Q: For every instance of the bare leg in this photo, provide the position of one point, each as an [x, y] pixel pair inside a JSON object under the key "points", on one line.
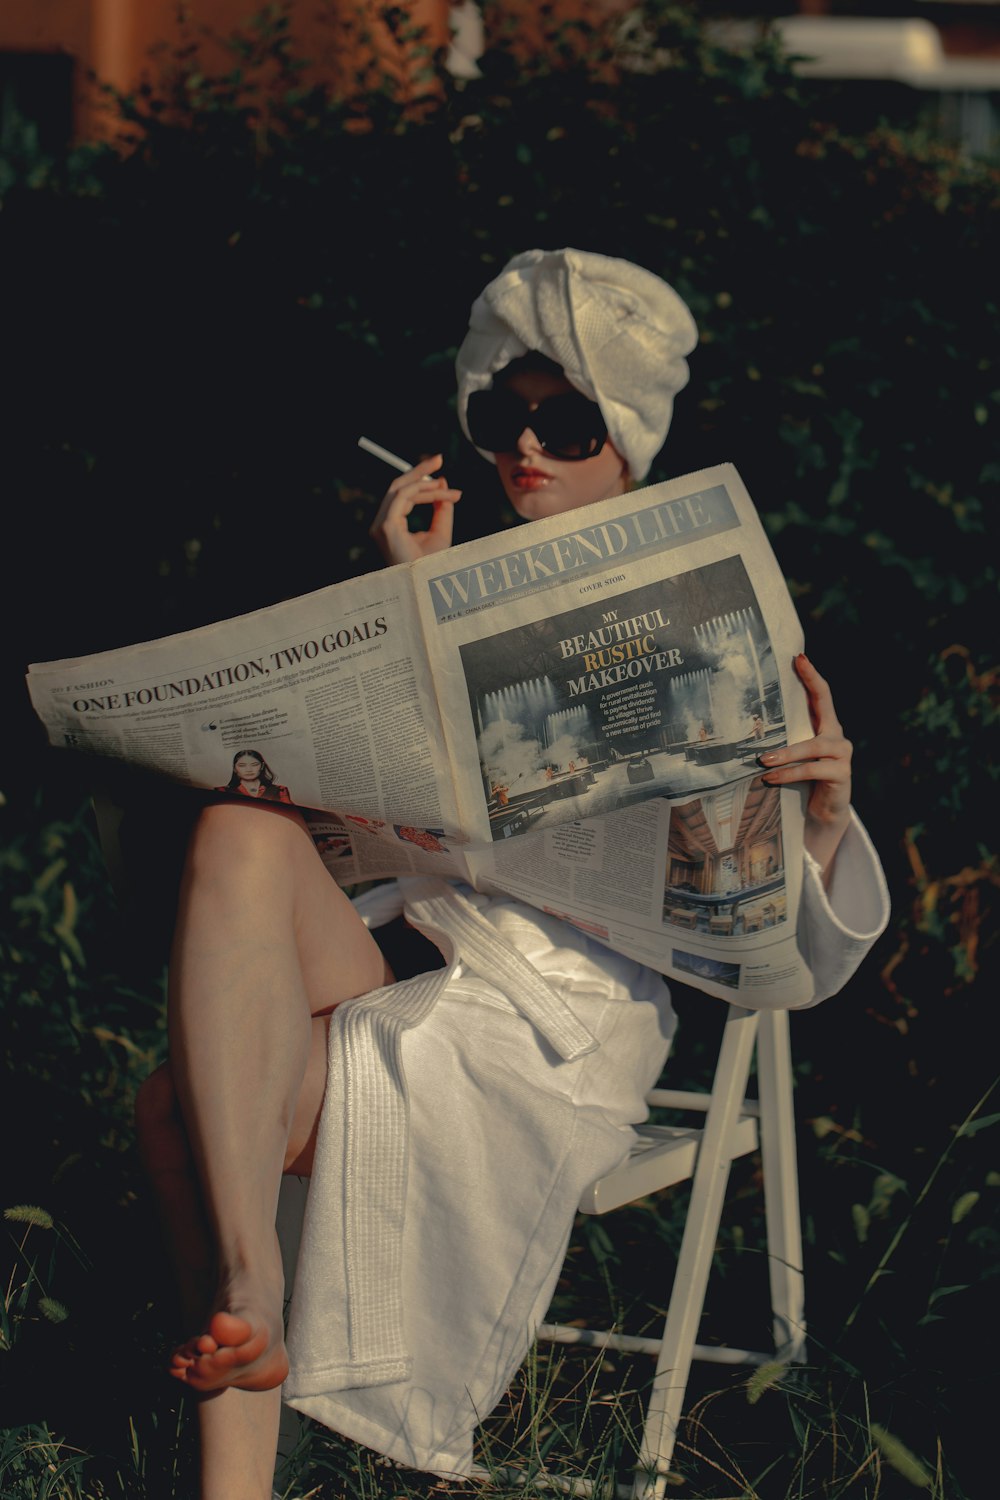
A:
{"points": [[238, 1429], [169, 1165], [264, 940]]}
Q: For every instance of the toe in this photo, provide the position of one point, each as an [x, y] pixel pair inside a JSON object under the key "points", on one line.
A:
{"points": [[228, 1330]]}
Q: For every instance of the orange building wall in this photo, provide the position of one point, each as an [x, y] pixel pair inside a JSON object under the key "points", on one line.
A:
{"points": [[114, 38], [45, 26]]}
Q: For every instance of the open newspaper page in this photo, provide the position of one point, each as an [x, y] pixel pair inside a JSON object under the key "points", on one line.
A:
{"points": [[332, 691], [570, 712], [607, 680]]}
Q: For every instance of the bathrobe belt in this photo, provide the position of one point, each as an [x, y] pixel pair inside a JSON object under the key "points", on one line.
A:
{"points": [[366, 1072], [438, 908]]}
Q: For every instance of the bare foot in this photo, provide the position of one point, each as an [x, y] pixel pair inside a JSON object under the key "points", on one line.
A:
{"points": [[233, 1351], [241, 1347]]}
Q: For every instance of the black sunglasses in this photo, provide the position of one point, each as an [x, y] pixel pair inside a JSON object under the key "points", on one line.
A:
{"points": [[569, 426]]}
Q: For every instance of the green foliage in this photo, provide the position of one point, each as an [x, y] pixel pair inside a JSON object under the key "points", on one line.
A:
{"points": [[200, 320], [765, 1378], [26, 1213], [899, 1457]]}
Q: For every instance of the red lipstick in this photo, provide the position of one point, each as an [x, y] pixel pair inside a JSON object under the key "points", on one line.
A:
{"points": [[529, 479]]}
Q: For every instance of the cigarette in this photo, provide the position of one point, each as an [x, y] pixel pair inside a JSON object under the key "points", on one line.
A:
{"points": [[392, 459]]}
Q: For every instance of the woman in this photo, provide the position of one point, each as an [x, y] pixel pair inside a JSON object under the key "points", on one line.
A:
{"points": [[253, 777], [423, 1273]]}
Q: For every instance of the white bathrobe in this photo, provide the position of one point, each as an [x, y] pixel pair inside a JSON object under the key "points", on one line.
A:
{"points": [[465, 1112]]}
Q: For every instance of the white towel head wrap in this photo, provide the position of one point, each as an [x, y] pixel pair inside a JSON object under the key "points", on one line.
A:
{"points": [[619, 333]]}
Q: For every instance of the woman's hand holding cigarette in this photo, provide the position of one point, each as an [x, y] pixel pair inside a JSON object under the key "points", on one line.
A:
{"points": [[389, 530]]}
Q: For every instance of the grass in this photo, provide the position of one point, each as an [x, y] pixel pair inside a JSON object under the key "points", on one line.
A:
{"points": [[901, 1244], [579, 1421]]}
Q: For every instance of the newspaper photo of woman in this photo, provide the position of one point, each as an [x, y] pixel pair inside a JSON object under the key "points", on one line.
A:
{"points": [[253, 777]]}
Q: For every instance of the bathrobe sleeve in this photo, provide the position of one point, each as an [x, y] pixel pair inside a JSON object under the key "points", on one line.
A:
{"points": [[839, 924]]}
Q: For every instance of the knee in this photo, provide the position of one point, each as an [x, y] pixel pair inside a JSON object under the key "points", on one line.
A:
{"points": [[229, 836]]}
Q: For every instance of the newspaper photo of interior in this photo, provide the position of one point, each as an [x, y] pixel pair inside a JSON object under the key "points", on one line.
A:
{"points": [[672, 690], [725, 862]]}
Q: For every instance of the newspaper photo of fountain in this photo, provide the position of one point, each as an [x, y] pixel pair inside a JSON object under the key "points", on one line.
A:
{"points": [[725, 872], [661, 691]]}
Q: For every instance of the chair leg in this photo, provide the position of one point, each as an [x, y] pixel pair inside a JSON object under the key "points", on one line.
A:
{"points": [[701, 1231], [781, 1185]]}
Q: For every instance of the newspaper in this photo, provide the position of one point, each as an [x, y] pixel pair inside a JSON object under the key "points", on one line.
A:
{"points": [[569, 712]]}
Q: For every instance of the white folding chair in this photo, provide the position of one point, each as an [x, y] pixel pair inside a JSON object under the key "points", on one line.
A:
{"points": [[665, 1155]]}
